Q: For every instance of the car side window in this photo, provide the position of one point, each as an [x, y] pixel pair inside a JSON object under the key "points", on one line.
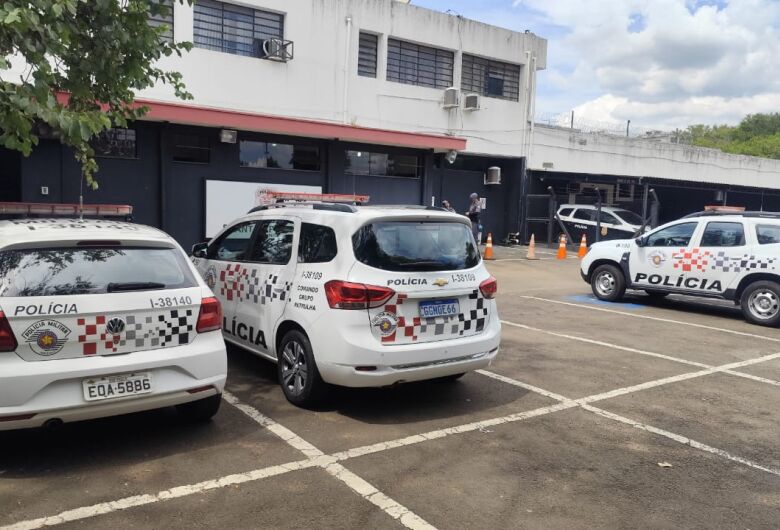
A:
{"points": [[673, 236], [609, 218], [233, 245], [719, 234], [566, 212], [584, 215], [274, 242], [768, 234], [317, 244]]}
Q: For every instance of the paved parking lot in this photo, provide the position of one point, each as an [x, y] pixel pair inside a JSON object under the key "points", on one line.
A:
{"points": [[594, 415]]}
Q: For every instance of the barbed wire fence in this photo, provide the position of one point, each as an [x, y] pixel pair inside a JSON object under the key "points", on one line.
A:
{"points": [[570, 120]]}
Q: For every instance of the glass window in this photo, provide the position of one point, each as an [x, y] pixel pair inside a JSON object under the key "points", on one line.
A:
{"points": [[629, 217], [414, 246], [414, 64], [72, 271], [383, 164], [233, 244], [317, 244], [280, 156], [161, 15], [192, 148], [768, 234], [566, 212], [723, 235], [490, 78], [608, 218], [673, 236], [367, 53], [274, 242], [115, 143], [585, 215], [234, 29]]}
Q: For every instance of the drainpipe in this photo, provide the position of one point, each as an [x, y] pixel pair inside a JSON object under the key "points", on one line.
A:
{"points": [[527, 127], [345, 102]]}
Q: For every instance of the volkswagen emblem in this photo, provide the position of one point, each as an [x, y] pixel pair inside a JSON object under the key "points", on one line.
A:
{"points": [[115, 326]]}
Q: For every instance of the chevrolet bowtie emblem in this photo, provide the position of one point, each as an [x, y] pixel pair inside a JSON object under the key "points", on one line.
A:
{"points": [[441, 282]]}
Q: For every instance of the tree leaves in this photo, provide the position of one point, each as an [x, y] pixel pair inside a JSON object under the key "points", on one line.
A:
{"points": [[756, 135]]}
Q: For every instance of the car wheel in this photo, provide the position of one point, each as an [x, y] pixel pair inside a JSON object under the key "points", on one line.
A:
{"points": [[608, 283], [298, 374], [761, 303], [201, 410], [657, 295]]}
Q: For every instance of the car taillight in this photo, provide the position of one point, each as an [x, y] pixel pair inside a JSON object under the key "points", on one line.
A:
{"points": [[7, 339], [347, 295], [210, 317], [489, 287]]}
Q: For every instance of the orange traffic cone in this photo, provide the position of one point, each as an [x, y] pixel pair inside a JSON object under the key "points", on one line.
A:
{"points": [[531, 249], [583, 247], [562, 247], [489, 247]]}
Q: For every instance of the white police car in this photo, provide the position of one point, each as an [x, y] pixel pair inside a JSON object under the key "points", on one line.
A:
{"points": [[352, 295], [100, 318], [711, 254], [615, 223]]}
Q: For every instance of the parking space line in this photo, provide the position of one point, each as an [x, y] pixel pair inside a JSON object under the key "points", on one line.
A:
{"points": [[648, 317]]}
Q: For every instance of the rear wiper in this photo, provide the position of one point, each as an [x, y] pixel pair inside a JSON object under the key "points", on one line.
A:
{"points": [[133, 286]]}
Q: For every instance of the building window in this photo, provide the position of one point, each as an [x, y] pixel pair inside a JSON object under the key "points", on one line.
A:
{"points": [[492, 79], [191, 148], [367, 54], [280, 156], [414, 64], [383, 164], [162, 15], [115, 143], [234, 29]]}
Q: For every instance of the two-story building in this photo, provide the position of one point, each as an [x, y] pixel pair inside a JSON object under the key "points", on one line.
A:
{"points": [[376, 97]]}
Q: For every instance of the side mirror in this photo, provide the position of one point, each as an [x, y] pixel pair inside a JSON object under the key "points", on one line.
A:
{"points": [[199, 249], [641, 241]]}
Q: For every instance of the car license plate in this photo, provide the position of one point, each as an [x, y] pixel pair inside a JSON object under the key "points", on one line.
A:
{"points": [[115, 386], [439, 308]]}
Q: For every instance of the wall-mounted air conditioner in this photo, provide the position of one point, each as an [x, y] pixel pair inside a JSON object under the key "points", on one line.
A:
{"points": [[274, 49], [493, 176], [450, 98], [471, 102]]}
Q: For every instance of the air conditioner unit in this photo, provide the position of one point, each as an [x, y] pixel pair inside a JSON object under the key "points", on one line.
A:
{"points": [[274, 49], [450, 98], [471, 102], [493, 176]]}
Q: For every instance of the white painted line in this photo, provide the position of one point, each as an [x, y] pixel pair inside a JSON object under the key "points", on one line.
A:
{"points": [[648, 317], [682, 439]]}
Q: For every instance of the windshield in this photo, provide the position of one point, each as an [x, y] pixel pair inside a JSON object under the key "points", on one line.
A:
{"points": [[69, 271], [416, 246], [629, 217]]}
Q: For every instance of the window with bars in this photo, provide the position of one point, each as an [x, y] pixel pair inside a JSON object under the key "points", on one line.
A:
{"points": [[235, 29], [115, 143], [414, 64], [493, 79], [367, 54], [162, 15]]}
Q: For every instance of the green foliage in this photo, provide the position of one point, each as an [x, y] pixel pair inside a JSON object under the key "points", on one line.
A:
{"points": [[756, 135], [99, 52]]}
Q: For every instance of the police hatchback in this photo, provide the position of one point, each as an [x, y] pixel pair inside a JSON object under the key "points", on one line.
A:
{"points": [[100, 318], [615, 223], [353, 295], [710, 254]]}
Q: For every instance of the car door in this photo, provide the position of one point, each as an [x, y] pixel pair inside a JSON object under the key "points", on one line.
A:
{"points": [[610, 227], [724, 246], [583, 221], [267, 277], [666, 258]]}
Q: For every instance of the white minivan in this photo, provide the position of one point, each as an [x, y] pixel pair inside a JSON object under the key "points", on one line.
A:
{"points": [[353, 295]]}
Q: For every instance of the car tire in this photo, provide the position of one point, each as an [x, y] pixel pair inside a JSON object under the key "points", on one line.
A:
{"points": [[657, 295], [760, 303], [202, 410], [298, 374], [608, 283]]}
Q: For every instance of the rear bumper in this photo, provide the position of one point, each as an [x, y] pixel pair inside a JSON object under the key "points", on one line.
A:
{"points": [[53, 389]]}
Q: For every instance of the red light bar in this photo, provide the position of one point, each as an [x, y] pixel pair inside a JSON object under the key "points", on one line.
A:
{"points": [[324, 197], [38, 208]]}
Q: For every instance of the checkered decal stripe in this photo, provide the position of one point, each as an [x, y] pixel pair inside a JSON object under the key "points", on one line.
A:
{"points": [[746, 262], [172, 327], [244, 284], [688, 260]]}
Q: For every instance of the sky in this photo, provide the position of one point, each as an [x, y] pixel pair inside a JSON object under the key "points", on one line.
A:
{"points": [[662, 64]]}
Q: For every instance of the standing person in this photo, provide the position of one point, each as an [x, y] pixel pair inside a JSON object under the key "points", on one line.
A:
{"points": [[475, 209], [447, 206]]}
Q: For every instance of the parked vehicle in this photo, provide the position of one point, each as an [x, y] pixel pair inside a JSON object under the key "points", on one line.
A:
{"points": [[616, 223], [734, 256], [353, 295], [100, 318]]}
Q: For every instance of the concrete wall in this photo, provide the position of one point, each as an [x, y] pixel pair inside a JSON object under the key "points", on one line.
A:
{"points": [[562, 150]]}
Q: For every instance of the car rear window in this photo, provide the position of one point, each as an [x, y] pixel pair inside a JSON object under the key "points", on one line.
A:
{"points": [[71, 271], [416, 246]]}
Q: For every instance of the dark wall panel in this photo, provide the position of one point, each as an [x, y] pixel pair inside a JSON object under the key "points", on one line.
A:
{"points": [[10, 175]]}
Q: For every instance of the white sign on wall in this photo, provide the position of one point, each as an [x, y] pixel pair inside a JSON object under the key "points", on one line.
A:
{"points": [[227, 200]]}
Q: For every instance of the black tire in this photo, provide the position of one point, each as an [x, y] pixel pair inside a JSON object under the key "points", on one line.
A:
{"points": [[298, 374], [657, 295], [201, 410], [761, 303], [608, 283]]}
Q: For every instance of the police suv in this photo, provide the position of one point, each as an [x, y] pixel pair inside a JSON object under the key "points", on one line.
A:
{"points": [[712, 254], [100, 318], [353, 295]]}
